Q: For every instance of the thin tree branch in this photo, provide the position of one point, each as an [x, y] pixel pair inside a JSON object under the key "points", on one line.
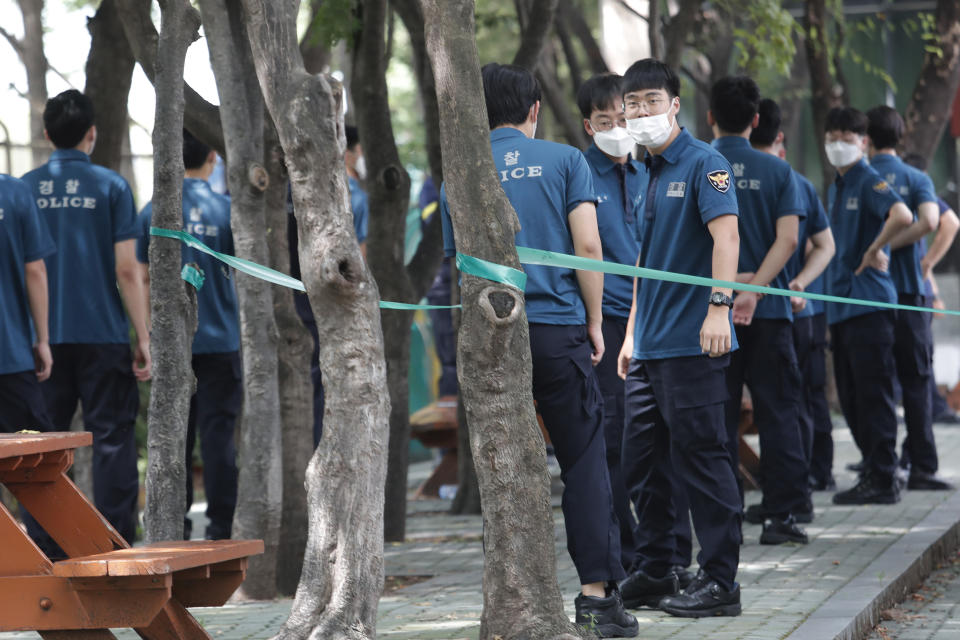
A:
{"points": [[536, 18], [14, 42]]}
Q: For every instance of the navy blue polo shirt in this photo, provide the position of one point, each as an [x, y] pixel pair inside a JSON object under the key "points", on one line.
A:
{"points": [[206, 216], [618, 203], [766, 192], [813, 223], [544, 182], [914, 187], [360, 205], [23, 238], [687, 186], [859, 202], [87, 209]]}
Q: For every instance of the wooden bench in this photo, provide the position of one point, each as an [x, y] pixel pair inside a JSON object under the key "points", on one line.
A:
{"points": [[104, 583]]}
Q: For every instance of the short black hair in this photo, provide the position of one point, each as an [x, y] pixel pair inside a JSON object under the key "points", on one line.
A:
{"points": [[884, 126], [602, 91], [353, 136], [734, 101], [194, 152], [765, 133], [67, 117], [509, 92], [916, 160], [650, 73], [846, 119]]}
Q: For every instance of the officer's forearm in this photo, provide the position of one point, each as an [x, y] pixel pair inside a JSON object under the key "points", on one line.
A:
{"points": [[726, 250], [817, 258], [35, 274], [784, 245], [949, 224], [898, 219], [135, 300], [591, 290]]}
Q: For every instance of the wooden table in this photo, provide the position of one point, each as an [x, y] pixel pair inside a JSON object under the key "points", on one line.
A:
{"points": [[104, 583]]}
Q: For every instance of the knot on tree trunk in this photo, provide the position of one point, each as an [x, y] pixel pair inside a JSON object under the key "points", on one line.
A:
{"points": [[258, 176], [500, 306], [391, 177]]}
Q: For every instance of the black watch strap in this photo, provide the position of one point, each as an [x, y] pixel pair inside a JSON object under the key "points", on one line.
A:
{"points": [[720, 299]]}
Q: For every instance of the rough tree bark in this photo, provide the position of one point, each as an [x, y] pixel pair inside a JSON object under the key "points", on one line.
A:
{"points": [[677, 30], [316, 56], [343, 566], [826, 92], [260, 482], [389, 191], [521, 595], [929, 108], [30, 51], [572, 15], [199, 116], [108, 72], [172, 302], [293, 368]]}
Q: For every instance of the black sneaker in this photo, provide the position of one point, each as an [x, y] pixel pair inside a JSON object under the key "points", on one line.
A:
{"points": [[684, 576], [829, 484], [856, 467], [755, 514], [605, 617], [927, 482], [640, 589], [777, 531], [869, 491], [709, 599]]}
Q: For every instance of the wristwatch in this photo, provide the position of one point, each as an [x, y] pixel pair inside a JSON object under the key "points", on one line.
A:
{"points": [[720, 299]]}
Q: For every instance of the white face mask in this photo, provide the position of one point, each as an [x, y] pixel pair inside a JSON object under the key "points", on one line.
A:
{"points": [[360, 166], [842, 154], [650, 131], [617, 142]]}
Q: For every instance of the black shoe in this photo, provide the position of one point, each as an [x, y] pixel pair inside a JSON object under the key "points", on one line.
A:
{"points": [[605, 617], [755, 514], [804, 516], [869, 491], [640, 589], [684, 576], [823, 485], [777, 531], [927, 482], [709, 599], [856, 467]]}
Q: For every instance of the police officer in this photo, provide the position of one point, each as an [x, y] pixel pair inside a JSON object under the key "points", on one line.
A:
{"points": [[913, 339], [550, 188], [767, 361], [814, 251], [215, 405], [865, 215], [675, 354], [357, 171], [25, 358], [90, 214]]}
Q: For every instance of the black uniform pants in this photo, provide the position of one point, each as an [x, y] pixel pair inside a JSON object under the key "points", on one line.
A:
{"points": [[815, 387], [767, 362], [913, 353], [675, 431], [214, 409], [864, 368], [101, 377], [569, 401]]}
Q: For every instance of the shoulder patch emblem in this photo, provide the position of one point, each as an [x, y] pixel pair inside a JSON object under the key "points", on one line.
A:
{"points": [[881, 187], [719, 180]]}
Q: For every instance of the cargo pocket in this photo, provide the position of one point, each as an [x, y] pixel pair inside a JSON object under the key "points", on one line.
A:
{"points": [[698, 398]]}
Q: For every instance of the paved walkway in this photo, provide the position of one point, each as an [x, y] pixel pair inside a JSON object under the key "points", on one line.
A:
{"points": [[782, 587]]}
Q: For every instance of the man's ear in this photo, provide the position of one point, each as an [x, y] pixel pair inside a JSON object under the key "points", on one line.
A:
{"points": [[779, 137], [212, 157], [711, 121], [588, 127], [755, 122], [534, 114]]}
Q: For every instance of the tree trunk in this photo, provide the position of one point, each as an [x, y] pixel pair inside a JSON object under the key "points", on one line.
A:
{"points": [[929, 108], [653, 29], [173, 302], [826, 93], [521, 595], [109, 72], [296, 390], [569, 121], [260, 482], [316, 56], [571, 13], [30, 50], [676, 31], [536, 19], [343, 566], [199, 116]]}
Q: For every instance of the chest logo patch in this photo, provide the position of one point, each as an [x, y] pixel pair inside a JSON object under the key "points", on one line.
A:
{"points": [[719, 180], [676, 189], [881, 187], [1, 214], [852, 203]]}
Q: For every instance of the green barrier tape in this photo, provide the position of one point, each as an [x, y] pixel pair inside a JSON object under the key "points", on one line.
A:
{"points": [[491, 271], [551, 259], [403, 306], [251, 268], [192, 275]]}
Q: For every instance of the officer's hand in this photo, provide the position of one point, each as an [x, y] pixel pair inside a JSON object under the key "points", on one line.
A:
{"points": [[595, 333], [926, 269], [43, 360], [141, 361], [797, 304], [938, 304], [715, 332], [875, 258], [626, 354], [743, 307]]}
